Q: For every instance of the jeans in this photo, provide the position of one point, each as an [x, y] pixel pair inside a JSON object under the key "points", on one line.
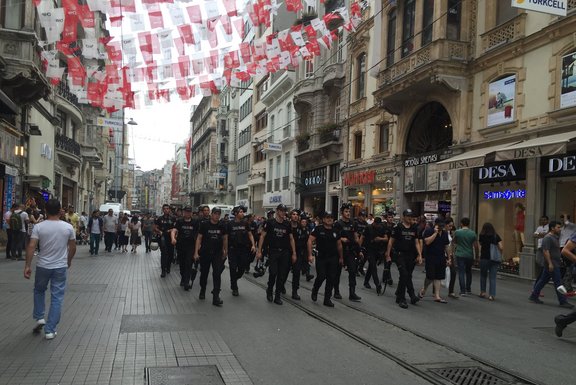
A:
{"points": [[57, 279], [465, 274], [147, 239], [544, 279], [488, 269], [94, 243]]}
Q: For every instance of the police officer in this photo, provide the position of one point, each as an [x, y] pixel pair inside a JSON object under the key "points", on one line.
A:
{"points": [[300, 234], [211, 250], [305, 224], [163, 228], [240, 246], [351, 248], [361, 224], [278, 234], [204, 213], [184, 238], [329, 247], [373, 238], [388, 225], [406, 246]]}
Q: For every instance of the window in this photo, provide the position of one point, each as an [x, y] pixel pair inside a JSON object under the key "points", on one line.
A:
{"points": [[287, 164], [391, 38], [62, 122], [409, 17], [288, 127], [453, 20], [427, 21], [261, 88], [504, 12], [259, 156], [361, 76], [244, 164], [245, 86], [340, 55], [261, 121], [246, 108], [383, 133], [272, 126], [245, 136], [334, 172], [358, 145], [13, 14], [270, 175], [278, 173], [308, 68]]}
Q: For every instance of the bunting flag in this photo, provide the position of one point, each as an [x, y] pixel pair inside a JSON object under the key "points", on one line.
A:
{"points": [[176, 48]]}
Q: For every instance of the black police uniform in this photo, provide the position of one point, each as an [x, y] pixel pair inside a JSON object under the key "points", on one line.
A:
{"points": [[361, 225], [239, 255], [405, 254], [211, 255], [386, 273], [374, 249], [185, 243], [165, 224], [327, 260], [347, 230], [279, 251], [254, 227], [300, 235]]}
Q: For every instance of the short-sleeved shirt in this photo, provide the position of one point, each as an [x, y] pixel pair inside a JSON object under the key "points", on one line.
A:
{"points": [[347, 230], [74, 220], [300, 235], [212, 237], [165, 223], [187, 231], [485, 242], [53, 237], [464, 240], [277, 234], [238, 237], [551, 243], [373, 231], [405, 238], [326, 241], [148, 225], [437, 249], [110, 223], [25, 218]]}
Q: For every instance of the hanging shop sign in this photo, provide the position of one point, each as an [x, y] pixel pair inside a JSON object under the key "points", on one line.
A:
{"points": [[554, 7], [559, 165], [427, 158], [500, 172]]}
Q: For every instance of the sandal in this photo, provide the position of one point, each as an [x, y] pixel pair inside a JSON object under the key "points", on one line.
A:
{"points": [[421, 293], [441, 300], [482, 295]]}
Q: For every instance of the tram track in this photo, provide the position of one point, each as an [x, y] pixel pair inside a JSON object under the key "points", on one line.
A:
{"points": [[490, 372]]}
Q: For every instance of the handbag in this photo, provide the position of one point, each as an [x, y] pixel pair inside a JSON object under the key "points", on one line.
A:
{"points": [[446, 281], [495, 254], [140, 232], [127, 232]]}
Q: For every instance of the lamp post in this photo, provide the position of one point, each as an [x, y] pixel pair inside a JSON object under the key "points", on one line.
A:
{"points": [[131, 122]]}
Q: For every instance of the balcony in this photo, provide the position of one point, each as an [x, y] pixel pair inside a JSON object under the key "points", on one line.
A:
{"points": [[333, 77], [304, 90], [322, 145], [68, 148], [508, 32], [358, 107], [64, 91]]}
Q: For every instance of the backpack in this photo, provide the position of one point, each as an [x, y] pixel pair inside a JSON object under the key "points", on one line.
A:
{"points": [[16, 221]]}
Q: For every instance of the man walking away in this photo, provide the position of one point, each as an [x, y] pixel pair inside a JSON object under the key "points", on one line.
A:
{"points": [[18, 223], [466, 243], [350, 243], [564, 320], [163, 228], [58, 242], [7, 216], [110, 226], [95, 229]]}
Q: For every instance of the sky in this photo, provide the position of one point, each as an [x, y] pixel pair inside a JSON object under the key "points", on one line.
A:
{"points": [[160, 127]]}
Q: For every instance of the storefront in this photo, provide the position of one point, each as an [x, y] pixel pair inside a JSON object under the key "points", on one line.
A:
{"points": [[273, 199], [312, 190], [502, 199], [559, 173], [370, 190]]}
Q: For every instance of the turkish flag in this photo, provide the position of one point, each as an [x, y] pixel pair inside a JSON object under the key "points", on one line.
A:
{"points": [[186, 33], [70, 31]]}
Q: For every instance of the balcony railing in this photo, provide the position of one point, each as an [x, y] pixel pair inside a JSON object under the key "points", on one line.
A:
{"points": [[506, 33], [64, 91], [67, 144]]}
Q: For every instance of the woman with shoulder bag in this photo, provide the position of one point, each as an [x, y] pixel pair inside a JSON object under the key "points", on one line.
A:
{"points": [[490, 258], [135, 227]]}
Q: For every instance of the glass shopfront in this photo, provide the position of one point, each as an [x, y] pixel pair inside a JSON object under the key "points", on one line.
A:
{"points": [[559, 172], [371, 190]]}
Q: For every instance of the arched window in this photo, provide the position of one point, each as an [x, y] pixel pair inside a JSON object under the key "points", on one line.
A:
{"points": [[431, 130]]}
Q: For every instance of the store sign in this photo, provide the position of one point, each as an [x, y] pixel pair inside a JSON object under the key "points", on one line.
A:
{"points": [[314, 178], [109, 122], [500, 172], [430, 206], [559, 165], [272, 147], [275, 199], [554, 7], [444, 207], [505, 194], [355, 178]]}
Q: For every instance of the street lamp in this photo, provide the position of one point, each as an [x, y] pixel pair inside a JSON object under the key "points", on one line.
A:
{"points": [[131, 122]]}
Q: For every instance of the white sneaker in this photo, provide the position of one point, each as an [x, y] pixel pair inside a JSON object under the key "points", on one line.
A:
{"points": [[50, 336], [39, 325], [561, 289]]}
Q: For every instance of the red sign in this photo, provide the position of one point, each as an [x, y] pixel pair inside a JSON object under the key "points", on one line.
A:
{"points": [[359, 178]]}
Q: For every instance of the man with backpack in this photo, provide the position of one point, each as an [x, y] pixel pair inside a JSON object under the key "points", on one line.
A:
{"points": [[18, 223]]}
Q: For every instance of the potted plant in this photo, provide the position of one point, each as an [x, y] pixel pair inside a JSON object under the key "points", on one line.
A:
{"points": [[328, 132]]}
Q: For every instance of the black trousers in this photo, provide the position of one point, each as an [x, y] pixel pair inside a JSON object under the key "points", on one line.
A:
{"points": [[238, 262], [109, 238], [298, 268], [166, 253], [17, 245], [217, 263], [372, 268], [405, 263], [147, 239], [351, 265], [278, 268], [326, 269], [567, 319], [8, 243], [186, 262]]}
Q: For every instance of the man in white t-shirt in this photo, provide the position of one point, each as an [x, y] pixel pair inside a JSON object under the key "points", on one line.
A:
{"points": [[58, 246], [7, 215], [110, 228]]}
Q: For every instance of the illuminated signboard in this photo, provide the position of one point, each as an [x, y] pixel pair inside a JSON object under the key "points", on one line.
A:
{"points": [[505, 194]]}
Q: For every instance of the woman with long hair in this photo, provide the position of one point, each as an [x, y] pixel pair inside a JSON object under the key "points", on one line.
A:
{"points": [[488, 267], [122, 237], [135, 233]]}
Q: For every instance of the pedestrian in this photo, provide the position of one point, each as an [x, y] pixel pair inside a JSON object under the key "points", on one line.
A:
{"points": [[489, 266], [373, 240], [304, 224], [551, 267], [568, 229], [163, 228], [405, 247], [465, 248], [148, 231], [241, 245], [276, 232], [74, 220], [451, 259], [18, 223], [123, 233], [58, 242], [211, 251], [562, 321], [388, 227], [183, 236], [300, 235], [95, 228], [360, 225], [110, 227], [135, 227], [539, 234], [436, 244], [351, 251], [31, 222], [9, 233], [330, 255]]}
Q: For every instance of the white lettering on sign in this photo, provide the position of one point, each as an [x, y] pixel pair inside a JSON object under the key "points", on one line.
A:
{"points": [[501, 171], [568, 163]]}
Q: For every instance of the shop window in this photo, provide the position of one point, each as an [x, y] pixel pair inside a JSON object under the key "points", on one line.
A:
{"points": [[408, 21], [358, 145], [361, 76], [383, 132], [391, 38], [427, 21], [504, 12], [453, 20]]}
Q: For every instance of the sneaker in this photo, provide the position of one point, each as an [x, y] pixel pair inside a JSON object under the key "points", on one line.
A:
{"points": [[566, 305], [39, 325], [50, 336], [337, 295], [536, 300], [562, 290]]}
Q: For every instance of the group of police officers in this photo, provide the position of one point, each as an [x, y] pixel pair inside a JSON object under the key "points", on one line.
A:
{"points": [[285, 243]]}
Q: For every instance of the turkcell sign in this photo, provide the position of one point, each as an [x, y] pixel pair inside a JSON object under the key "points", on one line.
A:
{"points": [[554, 7], [109, 122]]}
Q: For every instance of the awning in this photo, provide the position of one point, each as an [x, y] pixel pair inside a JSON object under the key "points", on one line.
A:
{"points": [[537, 147], [469, 159]]}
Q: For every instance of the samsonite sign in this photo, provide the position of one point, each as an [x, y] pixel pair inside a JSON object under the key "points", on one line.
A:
{"points": [[559, 165], [554, 7]]}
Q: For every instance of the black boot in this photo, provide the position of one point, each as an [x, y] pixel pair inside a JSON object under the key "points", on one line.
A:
{"points": [[353, 296], [216, 301], [327, 302], [314, 294], [295, 295], [163, 273], [337, 294], [277, 299], [202, 293], [309, 277], [269, 295]]}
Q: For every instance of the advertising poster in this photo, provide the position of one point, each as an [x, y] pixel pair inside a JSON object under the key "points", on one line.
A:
{"points": [[432, 179], [501, 94], [568, 81], [445, 180], [409, 179], [420, 178]]}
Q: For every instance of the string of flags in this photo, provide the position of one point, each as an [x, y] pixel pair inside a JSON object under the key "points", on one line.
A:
{"points": [[176, 48]]}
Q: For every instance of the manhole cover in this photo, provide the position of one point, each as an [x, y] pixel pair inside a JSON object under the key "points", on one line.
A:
{"points": [[468, 376], [184, 375]]}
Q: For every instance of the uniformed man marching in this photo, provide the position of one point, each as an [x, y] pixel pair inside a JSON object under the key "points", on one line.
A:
{"points": [[351, 248], [300, 234], [281, 246], [184, 238], [240, 246], [406, 247], [373, 239], [329, 247], [163, 228], [211, 250]]}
